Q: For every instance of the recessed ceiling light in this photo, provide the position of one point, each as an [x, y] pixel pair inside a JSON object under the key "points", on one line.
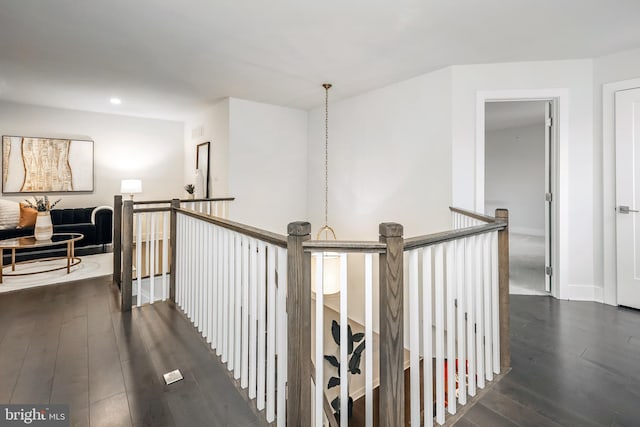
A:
{"points": [[115, 101]]}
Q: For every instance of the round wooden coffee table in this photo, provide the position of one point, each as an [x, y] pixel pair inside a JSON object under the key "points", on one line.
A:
{"points": [[30, 242]]}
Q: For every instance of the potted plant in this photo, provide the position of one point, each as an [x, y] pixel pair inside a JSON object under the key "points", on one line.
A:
{"points": [[190, 188], [354, 358], [44, 228]]}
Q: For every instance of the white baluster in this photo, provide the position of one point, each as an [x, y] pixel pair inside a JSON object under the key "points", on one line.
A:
{"points": [[439, 309], [486, 291], [414, 337], [244, 373], [451, 329], [238, 304], [253, 324], [271, 332], [319, 391], [344, 339], [152, 262], [478, 294], [261, 325], [166, 218], [225, 296], [282, 338], [231, 346], [368, 338], [427, 339], [220, 290], [139, 259], [471, 320], [460, 293]]}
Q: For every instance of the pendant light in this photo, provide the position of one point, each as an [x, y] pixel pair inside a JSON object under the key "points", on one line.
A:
{"points": [[330, 260]]}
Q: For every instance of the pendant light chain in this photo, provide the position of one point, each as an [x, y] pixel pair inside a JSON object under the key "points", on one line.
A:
{"points": [[326, 154], [326, 229]]}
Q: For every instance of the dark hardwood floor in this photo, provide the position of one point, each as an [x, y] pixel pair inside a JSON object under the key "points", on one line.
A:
{"points": [[574, 364], [70, 344]]}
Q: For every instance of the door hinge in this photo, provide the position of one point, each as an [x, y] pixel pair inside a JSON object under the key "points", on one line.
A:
{"points": [[548, 122], [548, 271], [548, 197]]}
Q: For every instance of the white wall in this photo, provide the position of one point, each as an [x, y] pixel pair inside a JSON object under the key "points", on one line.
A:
{"points": [[389, 159], [211, 125], [575, 274], [124, 147], [615, 72], [514, 175], [267, 164]]}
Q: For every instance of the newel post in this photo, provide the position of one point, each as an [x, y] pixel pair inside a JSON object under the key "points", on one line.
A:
{"points": [[127, 256], [391, 326], [502, 215], [117, 239], [173, 235], [298, 326]]}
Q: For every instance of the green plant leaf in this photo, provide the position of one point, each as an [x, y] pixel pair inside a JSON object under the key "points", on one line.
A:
{"points": [[335, 331], [359, 349], [333, 381], [350, 336], [354, 364], [333, 360], [358, 337], [335, 404]]}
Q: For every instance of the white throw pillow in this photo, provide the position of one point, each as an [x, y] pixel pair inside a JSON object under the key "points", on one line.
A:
{"points": [[9, 214]]}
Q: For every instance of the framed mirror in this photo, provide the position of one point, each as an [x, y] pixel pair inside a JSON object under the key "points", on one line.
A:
{"points": [[202, 163]]}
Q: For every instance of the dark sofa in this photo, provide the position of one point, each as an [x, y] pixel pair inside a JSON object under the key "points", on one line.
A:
{"points": [[96, 224]]}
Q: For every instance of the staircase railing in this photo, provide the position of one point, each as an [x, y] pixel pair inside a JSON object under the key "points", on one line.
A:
{"points": [[142, 245], [258, 300], [456, 320]]}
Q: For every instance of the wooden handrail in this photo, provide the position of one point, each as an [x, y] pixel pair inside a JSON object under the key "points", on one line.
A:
{"points": [[168, 202], [344, 246], [474, 215], [150, 210], [445, 236], [267, 236]]}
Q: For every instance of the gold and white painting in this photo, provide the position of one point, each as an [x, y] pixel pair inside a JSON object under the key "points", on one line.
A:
{"points": [[46, 165]]}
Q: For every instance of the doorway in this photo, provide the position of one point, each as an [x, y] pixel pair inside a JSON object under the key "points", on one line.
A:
{"points": [[519, 164]]}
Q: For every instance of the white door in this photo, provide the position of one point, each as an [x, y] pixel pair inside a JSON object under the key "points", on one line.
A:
{"points": [[548, 188], [628, 196]]}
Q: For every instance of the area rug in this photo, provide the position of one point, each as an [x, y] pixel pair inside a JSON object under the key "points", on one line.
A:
{"points": [[91, 266]]}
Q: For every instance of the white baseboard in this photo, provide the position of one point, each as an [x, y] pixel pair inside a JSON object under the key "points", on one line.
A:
{"points": [[585, 293], [527, 231]]}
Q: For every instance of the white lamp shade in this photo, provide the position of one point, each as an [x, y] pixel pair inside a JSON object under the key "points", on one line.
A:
{"points": [[131, 186], [330, 269]]}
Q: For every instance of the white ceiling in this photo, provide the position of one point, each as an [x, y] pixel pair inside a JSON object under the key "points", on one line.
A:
{"points": [[513, 114], [166, 58]]}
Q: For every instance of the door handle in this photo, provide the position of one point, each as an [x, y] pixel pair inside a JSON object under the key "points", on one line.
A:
{"points": [[625, 209]]}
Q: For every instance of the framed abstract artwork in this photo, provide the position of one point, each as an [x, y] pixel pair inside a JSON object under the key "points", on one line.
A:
{"points": [[46, 165], [202, 164]]}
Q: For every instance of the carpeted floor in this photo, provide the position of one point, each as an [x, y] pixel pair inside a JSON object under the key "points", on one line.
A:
{"points": [[91, 266], [526, 265]]}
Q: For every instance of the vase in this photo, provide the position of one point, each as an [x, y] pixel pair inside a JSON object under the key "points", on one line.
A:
{"points": [[44, 227]]}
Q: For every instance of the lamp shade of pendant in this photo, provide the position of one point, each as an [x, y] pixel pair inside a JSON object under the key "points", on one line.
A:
{"points": [[330, 272]]}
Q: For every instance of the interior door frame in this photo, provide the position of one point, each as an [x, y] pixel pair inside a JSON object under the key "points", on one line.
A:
{"points": [[559, 170], [609, 251]]}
